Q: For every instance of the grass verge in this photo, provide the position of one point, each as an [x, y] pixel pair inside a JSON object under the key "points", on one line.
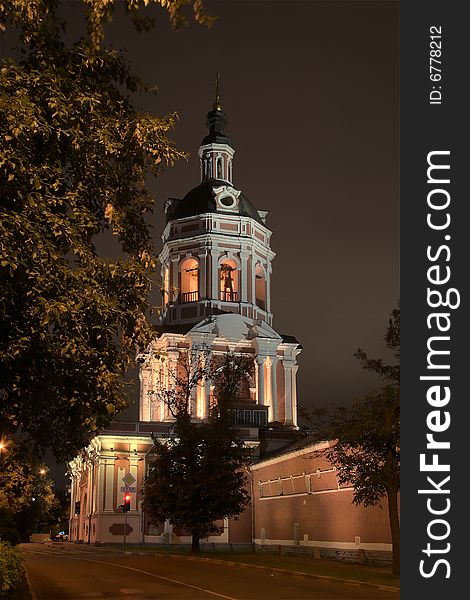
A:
{"points": [[378, 575]]}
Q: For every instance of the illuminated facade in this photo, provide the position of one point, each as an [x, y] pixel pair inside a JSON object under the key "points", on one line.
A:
{"points": [[216, 266], [216, 273]]}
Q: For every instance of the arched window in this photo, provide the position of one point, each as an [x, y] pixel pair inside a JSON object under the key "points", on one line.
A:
{"points": [[166, 286], [260, 287], [220, 168], [228, 280], [230, 170], [189, 274]]}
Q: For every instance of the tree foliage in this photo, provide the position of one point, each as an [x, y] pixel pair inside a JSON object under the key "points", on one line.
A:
{"points": [[367, 449], [197, 476], [389, 373], [27, 499], [74, 155], [367, 452], [11, 569]]}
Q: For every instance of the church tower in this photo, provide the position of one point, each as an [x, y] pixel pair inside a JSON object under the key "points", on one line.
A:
{"points": [[216, 266], [216, 255]]}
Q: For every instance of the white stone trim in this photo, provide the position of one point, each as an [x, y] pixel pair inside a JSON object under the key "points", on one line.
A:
{"points": [[293, 454], [323, 544], [317, 493]]}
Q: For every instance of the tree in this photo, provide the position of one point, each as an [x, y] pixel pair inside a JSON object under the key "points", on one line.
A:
{"points": [[75, 153], [197, 476], [367, 455], [367, 450], [26, 496], [392, 341]]}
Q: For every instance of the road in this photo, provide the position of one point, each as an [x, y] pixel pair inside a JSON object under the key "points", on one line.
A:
{"points": [[73, 572]]}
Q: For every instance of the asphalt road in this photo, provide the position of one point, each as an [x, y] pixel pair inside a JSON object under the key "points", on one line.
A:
{"points": [[72, 572]]}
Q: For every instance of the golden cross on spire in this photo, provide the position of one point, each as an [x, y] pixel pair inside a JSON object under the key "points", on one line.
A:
{"points": [[217, 104]]}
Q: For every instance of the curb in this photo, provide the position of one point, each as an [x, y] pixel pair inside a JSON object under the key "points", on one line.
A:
{"points": [[355, 582], [31, 591]]}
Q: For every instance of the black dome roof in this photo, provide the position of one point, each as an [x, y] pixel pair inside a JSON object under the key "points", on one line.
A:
{"points": [[201, 200]]}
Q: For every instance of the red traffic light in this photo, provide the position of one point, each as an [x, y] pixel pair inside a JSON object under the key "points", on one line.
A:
{"points": [[127, 502]]}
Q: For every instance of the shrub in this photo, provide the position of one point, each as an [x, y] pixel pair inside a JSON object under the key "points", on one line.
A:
{"points": [[11, 568]]}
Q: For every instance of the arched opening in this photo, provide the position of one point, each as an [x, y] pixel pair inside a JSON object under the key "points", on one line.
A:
{"points": [[260, 287], [166, 286], [228, 280], [189, 274], [220, 168]]}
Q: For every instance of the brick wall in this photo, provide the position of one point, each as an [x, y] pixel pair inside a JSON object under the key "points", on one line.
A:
{"points": [[298, 500]]}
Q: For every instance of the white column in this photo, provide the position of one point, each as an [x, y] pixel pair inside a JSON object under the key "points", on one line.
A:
{"points": [[253, 281], [260, 362], [244, 276], [207, 397], [109, 493], [288, 379], [274, 406], [215, 274], [100, 478], [268, 287], [73, 495], [174, 278], [95, 483], [294, 394], [154, 399], [171, 373], [193, 401], [202, 274], [89, 493], [121, 471], [144, 409], [133, 462]]}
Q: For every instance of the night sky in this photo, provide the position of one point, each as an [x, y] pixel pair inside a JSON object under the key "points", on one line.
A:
{"points": [[311, 93]]}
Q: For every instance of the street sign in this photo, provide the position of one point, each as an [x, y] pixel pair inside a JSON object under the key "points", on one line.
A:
{"points": [[128, 489], [128, 479]]}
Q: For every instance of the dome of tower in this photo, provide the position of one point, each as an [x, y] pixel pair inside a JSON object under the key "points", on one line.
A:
{"points": [[202, 199]]}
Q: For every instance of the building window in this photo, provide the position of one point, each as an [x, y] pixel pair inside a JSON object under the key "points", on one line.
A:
{"points": [[230, 170], [260, 418], [189, 273], [260, 287], [248, 417], [228, 281]]}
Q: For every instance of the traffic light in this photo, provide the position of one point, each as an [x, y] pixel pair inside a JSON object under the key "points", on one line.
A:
{"points": [[127, 502]]}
